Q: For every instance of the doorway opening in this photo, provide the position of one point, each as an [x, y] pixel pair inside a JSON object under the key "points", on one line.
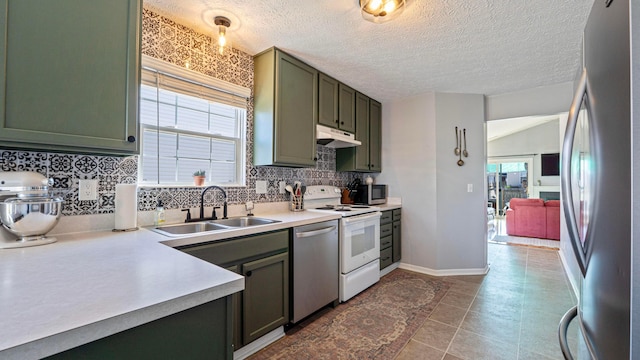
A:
{"points": [[507, 178]]}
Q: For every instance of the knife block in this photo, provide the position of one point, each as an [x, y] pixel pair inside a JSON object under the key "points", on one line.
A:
{"points": [[346, 198]]}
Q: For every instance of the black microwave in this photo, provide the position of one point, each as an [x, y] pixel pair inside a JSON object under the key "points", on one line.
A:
{"points": [[373, 194]]}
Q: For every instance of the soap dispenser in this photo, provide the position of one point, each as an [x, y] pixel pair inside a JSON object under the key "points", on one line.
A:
{"points": [[158, 218]]}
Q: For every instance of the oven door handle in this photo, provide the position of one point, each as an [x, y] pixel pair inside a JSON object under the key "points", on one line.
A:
{"points": [[315, 232], [364, 217]]}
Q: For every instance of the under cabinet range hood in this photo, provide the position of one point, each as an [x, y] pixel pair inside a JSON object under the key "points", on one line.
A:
{"points": [[335, 138]]}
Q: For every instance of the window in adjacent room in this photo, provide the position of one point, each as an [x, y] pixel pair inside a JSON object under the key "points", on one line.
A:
{"points": [[190, 122]]}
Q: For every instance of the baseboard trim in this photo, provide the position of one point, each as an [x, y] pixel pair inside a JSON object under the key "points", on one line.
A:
{"points": [[389, 269], [572, 282], [446, 272], [258, 344]]}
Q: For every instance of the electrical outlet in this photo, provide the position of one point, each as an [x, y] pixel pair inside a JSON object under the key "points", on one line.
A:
{"points": [[281, 186], [88, 190], [261, 187], [469, 187]]}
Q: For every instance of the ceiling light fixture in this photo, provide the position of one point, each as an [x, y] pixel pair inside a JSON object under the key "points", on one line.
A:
{"points": [[223, 23], [379, 11]]}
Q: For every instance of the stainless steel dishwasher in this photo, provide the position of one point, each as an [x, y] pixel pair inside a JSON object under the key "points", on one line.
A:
{"points": [[316, 271]]}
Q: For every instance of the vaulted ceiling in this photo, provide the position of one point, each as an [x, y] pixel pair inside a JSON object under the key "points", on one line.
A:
{"points": [[464, 46]]}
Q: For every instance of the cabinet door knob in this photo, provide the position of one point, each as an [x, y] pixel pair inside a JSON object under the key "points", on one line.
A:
{"points": [[341, 122], [249, 273], [337, 121], [131, 138]]}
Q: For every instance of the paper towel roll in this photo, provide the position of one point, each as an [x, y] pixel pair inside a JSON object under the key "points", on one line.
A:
{"points": [[126, 206]]}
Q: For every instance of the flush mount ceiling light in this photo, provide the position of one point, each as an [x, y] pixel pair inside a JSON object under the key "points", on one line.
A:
{"points": [[223, 44], [379, 11]]}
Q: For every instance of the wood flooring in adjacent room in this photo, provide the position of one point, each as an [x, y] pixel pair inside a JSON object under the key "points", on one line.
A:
{"points": [[511, 313], [497, 233]]}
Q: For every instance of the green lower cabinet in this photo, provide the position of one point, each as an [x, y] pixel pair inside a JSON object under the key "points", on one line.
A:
{"points": [[236, 313], [390, 238], [397, 235], [202, 332], [397, 243], [263, 260], [386, 256], [265, 303]]}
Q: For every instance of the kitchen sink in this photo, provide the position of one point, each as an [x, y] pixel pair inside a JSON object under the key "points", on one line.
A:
{"points": [[181, 229], [212, 225], [243, 221]]}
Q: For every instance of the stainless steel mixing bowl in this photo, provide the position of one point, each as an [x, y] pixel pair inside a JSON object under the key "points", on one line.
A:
{"points": [[30, 218]]}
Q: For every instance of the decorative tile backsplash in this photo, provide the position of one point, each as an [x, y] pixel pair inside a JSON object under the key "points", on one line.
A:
{"points": [[167, 40]]}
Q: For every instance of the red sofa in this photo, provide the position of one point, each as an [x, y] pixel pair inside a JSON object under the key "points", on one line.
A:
{"points": [[534, 218]]}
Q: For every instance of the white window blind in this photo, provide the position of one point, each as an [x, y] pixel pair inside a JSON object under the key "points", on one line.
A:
{"points": [[189, 125]]}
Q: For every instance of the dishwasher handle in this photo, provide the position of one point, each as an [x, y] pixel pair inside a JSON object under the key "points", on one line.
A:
{"points": [[315, 232]]}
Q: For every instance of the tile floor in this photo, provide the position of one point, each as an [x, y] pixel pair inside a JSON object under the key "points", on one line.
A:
{"points": [[511, 313]]}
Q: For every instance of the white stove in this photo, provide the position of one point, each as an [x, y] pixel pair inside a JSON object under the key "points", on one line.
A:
{"points": [[326, 198], [359, 234]]}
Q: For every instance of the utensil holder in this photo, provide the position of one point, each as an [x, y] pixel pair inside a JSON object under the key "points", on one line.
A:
{"points": [[296, 203]]}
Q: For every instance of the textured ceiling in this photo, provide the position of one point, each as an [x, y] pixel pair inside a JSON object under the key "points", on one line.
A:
{"points": [[465, 46]]}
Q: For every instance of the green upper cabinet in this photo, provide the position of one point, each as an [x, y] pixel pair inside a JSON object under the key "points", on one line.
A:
{"points": [[327, 101], [346, 108], [70, 74], [375, 136], [336, 104], [285, 110], [366, 157]]}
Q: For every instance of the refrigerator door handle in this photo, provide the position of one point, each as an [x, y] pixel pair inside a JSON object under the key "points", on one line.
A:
{"points": [[562, 332], [565, 178], [563, 327]]}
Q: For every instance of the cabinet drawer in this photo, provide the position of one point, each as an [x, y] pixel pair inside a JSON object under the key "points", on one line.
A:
{"points": [[386, 230], [385, 258], [234, 250], [385, 242], [397, 214], [386, 217]]}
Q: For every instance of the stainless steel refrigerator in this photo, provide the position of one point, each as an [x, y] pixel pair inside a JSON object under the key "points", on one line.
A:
{"points": [[597, 187]]}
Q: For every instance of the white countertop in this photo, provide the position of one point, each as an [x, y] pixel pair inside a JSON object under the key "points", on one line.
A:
{"points": [[389, 206], [90, 285]]}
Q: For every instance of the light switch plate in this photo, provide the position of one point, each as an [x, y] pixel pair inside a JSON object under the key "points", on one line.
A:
{"points": [[88, 190], [469, 187], [281, 186], [261, 187]]}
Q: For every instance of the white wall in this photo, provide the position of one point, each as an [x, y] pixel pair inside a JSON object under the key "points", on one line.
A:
{"points": [[420, 167], [409, 168], [544, 100], [462, 215], [537, 140]]}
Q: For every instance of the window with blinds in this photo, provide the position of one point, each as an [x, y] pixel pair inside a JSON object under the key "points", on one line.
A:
{"points": [[190, 125]]}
